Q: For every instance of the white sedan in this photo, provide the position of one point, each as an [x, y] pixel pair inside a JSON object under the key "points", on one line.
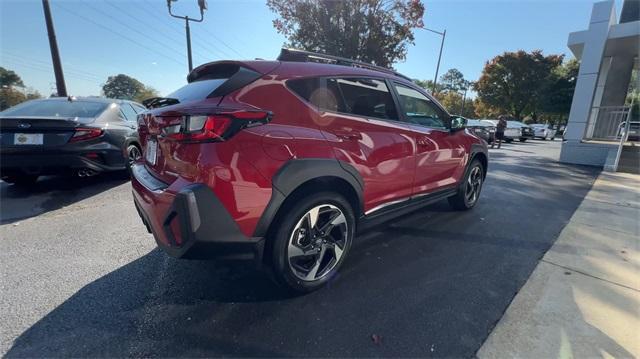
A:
{"points": [[543, 131]]}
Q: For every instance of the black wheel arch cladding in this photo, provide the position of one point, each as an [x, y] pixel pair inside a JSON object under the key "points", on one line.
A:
{"points": [[297, 172], [480, 152]]}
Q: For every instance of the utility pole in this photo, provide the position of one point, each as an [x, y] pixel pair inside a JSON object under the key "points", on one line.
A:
{"points": [[61, 87], [202, 4], [443, 34]]}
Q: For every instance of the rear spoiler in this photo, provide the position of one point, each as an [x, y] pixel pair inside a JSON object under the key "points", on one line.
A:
{"points": [[218, 69], [237, 74]]}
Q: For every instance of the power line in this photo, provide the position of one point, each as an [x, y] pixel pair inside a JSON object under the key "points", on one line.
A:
{"points": [[45, 63], [48, 70], [175, 37], [222, 42], [119, 34], [128, 27], [216, 50]]}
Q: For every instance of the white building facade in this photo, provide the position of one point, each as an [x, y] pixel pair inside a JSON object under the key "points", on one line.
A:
{"points": [[608, 53]]}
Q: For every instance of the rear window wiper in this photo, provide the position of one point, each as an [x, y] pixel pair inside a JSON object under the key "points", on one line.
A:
{"points": [[156, 102]]}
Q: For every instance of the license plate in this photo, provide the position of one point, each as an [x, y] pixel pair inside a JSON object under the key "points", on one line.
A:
{"points": [[27, 138], [151, 151]]}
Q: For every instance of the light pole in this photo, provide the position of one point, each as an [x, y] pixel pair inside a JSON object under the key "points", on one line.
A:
{"points": [[443, 34], [202, 4]]}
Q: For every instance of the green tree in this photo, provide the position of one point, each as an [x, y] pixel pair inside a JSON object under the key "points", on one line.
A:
{"points": [[425, 84], [554, 103], [146, 93], [453, 80], [9, 78], [127, 88], [515, 82], [13, 91], [633, 95], [374, 31]]}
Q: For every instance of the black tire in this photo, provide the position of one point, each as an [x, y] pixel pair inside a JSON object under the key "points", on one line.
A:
{"points": [[21, 180], [462, 201], [286, 271], [523, 139], [508, 140], [134, 153]]}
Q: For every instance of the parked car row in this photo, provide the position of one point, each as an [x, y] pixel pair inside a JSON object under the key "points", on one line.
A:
{"points": [[515, 130], [483, 129]]}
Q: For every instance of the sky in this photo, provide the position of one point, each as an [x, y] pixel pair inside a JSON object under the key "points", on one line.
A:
{"points": [[99, 38]]}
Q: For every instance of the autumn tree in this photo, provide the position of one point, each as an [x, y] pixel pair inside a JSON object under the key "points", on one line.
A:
{"points": [[514, 82], [374, 31], [483, 110], [127, 88], [452, 102]]}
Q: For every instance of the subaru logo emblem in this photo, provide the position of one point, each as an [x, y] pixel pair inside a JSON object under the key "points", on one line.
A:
{"points": [[24, 125]]}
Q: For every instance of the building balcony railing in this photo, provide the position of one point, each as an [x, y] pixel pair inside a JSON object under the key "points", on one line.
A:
{"points": [[606, 123]]}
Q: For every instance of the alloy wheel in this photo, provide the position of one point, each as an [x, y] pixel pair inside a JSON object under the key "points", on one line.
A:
{"points": [[473, 186], [134, 154], [317, 242]]}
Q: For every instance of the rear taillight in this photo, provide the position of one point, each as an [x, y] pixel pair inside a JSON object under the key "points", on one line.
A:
{"points": [[83, 134], [216, 127]]}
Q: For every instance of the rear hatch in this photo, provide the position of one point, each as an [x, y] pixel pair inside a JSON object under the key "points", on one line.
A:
{"points": [[179, 127]]}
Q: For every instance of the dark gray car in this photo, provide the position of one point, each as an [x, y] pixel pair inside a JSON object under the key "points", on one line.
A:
{"points": [[80, 136]]}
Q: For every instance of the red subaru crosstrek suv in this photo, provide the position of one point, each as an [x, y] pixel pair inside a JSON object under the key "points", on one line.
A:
{"points": [[281, 161]]}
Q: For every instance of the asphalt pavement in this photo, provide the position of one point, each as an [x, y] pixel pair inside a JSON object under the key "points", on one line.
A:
{"points": [[81, 277]]}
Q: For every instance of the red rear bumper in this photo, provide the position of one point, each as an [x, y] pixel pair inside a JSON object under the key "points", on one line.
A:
{"points": [[190, 221]]}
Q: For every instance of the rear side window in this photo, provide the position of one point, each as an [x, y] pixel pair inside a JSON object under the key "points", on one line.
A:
{"points": [[137, 108], [57, 108], [357, 96], [128, 112]]}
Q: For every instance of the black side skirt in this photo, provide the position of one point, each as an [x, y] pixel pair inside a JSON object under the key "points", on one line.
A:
{"points": [[383, 215]]}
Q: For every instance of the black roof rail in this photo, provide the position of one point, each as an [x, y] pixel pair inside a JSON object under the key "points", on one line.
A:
{"points": [[295, 55]]}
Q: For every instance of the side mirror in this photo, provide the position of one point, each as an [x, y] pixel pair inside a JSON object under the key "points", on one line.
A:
{"points": [[458, 123]]}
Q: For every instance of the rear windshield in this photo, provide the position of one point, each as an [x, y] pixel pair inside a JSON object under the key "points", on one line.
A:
{"points": [[57, 108], [198, 90]]}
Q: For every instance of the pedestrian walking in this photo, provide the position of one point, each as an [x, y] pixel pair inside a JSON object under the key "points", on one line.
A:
{"points": [[500, 127]]}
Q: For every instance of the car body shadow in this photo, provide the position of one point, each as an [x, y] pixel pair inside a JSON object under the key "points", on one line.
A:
{"points": [[52, 192]]}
